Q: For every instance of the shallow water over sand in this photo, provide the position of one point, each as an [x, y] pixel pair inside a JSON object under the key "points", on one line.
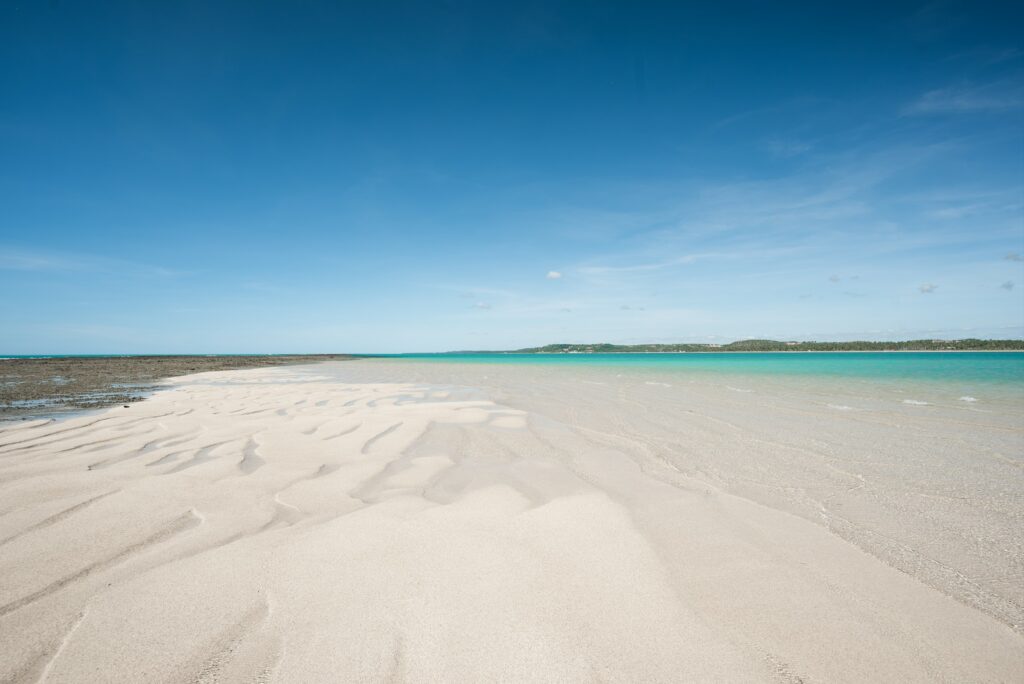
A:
{"points": [[906, 469]]}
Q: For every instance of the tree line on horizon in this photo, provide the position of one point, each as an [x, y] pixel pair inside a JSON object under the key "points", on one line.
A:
{"points": [[968, 344]]}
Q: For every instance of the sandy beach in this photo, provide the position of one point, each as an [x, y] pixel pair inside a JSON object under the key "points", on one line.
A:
{"points": [[397, 521]]}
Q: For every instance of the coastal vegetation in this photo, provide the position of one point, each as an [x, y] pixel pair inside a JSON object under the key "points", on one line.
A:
{"points": [[969, 344]]}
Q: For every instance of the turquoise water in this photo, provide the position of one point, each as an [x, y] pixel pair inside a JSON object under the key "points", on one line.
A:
{"points": [[967, 367]]}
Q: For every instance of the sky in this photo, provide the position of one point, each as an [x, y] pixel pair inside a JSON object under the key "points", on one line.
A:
{"points": [[256, 177]]}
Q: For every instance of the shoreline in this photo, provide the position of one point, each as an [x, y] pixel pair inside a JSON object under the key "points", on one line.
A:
{"points": [[108, 381]]}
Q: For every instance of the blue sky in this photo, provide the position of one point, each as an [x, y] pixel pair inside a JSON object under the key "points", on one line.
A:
{"points": [[277, 177]]}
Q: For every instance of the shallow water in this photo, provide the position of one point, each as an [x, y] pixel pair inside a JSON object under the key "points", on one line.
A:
{"points": [[916, 458], [965, 367]]}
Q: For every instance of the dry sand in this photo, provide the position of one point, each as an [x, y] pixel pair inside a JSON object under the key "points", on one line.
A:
{"points": [[336, 523]]}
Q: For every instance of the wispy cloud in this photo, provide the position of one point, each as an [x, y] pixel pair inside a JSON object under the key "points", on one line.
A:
{"points": [[986, 55], [786, 107], [956, 203], [1014, 256], [18, 260], [474, 292], [636, 268], [953, 213], [554, 275], [778, 219], [787, 148], [964, 99], [747, 242], [1008, 285], [262, 287], [13, 259]]}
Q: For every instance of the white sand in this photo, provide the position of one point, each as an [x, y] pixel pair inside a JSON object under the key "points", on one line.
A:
{"points": [[309, 524]]}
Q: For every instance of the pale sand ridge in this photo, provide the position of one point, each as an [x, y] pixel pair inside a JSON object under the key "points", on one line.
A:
{"points": [[331, 523]]}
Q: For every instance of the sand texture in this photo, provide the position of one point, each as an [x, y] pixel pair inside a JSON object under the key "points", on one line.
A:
{"points": [[381, 521], [31, 386]]}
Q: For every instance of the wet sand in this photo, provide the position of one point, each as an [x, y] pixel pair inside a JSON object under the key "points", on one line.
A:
{"points": [[386, 520]]}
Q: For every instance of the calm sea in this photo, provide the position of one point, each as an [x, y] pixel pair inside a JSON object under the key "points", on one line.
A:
{"points": [[955, 367]]}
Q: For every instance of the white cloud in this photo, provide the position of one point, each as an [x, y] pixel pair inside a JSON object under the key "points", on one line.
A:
{"points": [[554, 275], [927, 288], [481, 305]]}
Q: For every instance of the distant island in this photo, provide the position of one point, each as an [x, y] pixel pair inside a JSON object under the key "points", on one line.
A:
{"points": [[970, 344]]}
